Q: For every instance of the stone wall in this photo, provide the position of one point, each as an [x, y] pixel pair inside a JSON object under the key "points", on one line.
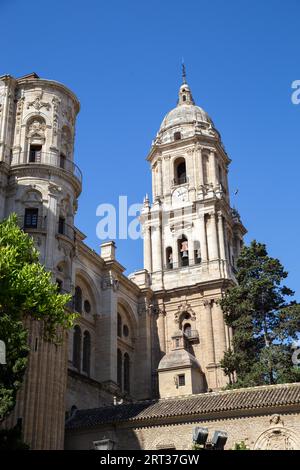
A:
{"points": [[266, 430]]}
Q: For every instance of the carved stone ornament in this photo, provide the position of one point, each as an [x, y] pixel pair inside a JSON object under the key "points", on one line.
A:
{"points": [[277, 437], [38, 103], [109, 282], [19, 113], [55, 104], [36, 129], [54, 188], [184, 307]]}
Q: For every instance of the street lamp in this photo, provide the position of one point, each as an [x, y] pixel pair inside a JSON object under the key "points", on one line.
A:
{"points": [[218, 441], [200, 435]]}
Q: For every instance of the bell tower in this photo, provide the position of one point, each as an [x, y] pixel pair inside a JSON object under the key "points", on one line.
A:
{"points": [[40, 182], [192, 237]]}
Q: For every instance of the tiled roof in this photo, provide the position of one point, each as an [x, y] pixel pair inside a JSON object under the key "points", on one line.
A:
{"points": [[201, 404]]}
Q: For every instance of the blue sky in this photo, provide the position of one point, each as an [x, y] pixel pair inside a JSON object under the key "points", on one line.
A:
{"points": [[122, 59]]}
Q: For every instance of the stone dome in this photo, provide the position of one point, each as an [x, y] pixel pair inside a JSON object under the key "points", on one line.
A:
{"points": [[186, 120], [178, 358], [185, 114]]}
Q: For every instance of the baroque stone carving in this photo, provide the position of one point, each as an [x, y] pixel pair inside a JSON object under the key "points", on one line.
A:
{"points": [[37, 129], [38, 104], [19, 113], [277, 437], [55, 103], [184, 307]]}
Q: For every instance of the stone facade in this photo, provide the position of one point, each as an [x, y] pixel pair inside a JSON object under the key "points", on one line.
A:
{"points": [[123, 347], [256, 431], [264, 418], [40, 181]]}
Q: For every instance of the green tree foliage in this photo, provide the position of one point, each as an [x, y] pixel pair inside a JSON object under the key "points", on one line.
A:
{"points": [[12, 439], [26, 291], [264, 321], [240, 446]]}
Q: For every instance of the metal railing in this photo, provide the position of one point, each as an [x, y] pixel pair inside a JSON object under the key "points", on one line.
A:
{"points": [[66, 230], [192, 335], [46, 158], [182, 264], [36, 223], [181, 180]]}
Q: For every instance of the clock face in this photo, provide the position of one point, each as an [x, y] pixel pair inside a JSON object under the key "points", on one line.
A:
{"points": [[180, 195]]}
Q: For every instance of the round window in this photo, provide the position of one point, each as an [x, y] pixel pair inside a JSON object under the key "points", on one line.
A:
{"points": [[87, 306], [125, 330]]}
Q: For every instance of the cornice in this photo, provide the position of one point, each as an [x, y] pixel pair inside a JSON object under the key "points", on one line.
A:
{"points": [[36, 171]]}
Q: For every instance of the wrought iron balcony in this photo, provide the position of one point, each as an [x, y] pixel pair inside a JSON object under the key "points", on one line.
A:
{"points": [[49, 159], [180, 180], [192, 335], [66, 230]]}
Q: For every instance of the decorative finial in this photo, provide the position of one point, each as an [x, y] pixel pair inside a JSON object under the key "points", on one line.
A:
{"points": [[183, 71]]}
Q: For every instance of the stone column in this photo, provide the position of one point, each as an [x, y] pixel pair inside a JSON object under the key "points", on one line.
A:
{"points": [[203, 239], [147, 249], [213, 169], [221, 236], [159, 178], [175, 252], [227, 254], [156, 245], [153, 182], [213, 238], [6, 108], [161, 327], [52, 225], [209, 333], [191, 252], [199, 166], [106, 328], [219, 331], [166, 175]]}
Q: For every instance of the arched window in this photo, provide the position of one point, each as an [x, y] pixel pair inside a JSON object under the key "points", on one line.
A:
{"points": [[62, 160], [86, 356], [35, 133], [183, 251], [180, 171], [77, 347], [184, 318], [119, 326], [78, 299], [169, 257], [119, 368], [126, 373], [125, 331], [177, 135]]}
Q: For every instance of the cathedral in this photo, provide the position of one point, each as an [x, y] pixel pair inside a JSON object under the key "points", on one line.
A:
{"points": [[141, 367]]}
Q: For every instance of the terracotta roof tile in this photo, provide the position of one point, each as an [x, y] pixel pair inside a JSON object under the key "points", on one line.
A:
{"points": [[201, 404]]}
